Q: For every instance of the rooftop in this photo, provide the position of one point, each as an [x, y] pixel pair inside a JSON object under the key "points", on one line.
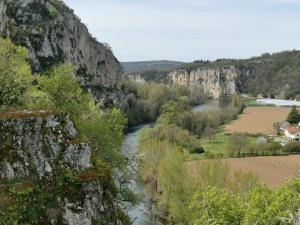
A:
{"points": [[293, 130]]}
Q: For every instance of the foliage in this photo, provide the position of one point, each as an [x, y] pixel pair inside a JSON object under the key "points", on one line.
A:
{"points": [[238, 143], [294, 116], [172, 134], [58, 91], [261, 206], [201, 124], [145, 100], [270, 75], [14, 204], [276, 127], [105, 134], [216, 206], [292, 147], [171, 182], [15, 73]]}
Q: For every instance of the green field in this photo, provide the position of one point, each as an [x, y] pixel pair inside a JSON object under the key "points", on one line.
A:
{"points": [[251, 102], [218, 146]]}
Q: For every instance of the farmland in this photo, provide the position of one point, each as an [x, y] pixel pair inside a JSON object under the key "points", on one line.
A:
{"points": [[256, 120], [271, 170]]}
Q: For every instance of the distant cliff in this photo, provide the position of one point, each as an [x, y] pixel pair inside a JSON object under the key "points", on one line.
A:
{"points": [[215, 81], [273, 75], [53, 34], [47, 175]]}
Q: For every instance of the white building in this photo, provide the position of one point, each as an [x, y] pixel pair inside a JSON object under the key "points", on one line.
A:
{"points": [[292, 133], [278, 102]]}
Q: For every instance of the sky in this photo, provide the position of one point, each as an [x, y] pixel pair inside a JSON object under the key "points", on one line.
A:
{"points": [[188, 30]]}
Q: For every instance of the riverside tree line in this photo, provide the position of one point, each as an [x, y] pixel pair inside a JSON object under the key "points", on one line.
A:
{"points": [[206, 193]]}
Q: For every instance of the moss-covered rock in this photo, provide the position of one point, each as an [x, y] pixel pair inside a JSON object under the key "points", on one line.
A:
{"points": [[46, 174]]}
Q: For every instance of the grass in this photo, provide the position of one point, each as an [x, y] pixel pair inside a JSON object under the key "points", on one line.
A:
{"points": [[217, 146], [251, 102]]}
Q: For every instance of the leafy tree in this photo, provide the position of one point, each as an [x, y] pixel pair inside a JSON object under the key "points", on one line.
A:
{"points": [[238, 143], [294, 116], [214, 206], [105, 134], [276, 127], [63, 91], [243, 183], [15, 73], [209, 133], [266, 206], [174, 182], [292, 147]]}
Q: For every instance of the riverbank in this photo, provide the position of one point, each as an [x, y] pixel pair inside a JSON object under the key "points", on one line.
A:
{"points": [[145, 213]]}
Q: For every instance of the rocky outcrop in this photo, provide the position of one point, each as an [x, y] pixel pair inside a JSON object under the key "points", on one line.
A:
{"points": [[43, 152], [136, 78], [53, 35], [214, 80]]}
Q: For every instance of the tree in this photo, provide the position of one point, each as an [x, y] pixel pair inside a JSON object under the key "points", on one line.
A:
{"points": [[209, 133], [294, 116], [267, 206], [15, 73], [174, 182], [216, 206], [59, 91], [170, 112], [238, 142], [276, 127]]}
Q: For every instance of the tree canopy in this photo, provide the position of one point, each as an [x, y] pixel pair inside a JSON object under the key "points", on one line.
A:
{"points": [[294, 116]]}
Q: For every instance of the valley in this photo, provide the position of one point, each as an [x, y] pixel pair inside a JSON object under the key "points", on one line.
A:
{"points": [[88, 139]]}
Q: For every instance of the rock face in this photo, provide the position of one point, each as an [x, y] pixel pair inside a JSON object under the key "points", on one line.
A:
{"points": [[53, 35], [214, 80], [43, 149]]}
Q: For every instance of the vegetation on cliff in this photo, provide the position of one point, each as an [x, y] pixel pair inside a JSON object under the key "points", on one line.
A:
{"points": [[58, 92], [270, 74], [274, 75]]}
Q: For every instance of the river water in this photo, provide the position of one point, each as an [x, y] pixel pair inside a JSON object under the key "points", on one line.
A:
{"points": [[145, 212]]}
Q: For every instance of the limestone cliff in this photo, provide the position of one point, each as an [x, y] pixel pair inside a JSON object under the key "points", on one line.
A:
{"points": [[214, 80], [54, 34], [42, 156]]}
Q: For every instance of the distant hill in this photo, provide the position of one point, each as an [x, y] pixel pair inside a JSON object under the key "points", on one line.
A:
{"points": [[158, 65], [276, 74]]}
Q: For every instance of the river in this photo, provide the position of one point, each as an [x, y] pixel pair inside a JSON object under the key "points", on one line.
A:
{"points": [[145, 212]]}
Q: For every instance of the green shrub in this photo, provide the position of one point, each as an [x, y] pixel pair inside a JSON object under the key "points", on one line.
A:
{"points": [[292, 147], [196, 150], [15, 73]]}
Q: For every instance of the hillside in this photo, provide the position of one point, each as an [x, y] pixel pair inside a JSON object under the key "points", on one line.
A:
{"points": [[158, 65], [53, 34], [59, 151], [268, 75]]}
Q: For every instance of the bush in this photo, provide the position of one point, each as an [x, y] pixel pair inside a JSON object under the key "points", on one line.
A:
{"points": [[196, 150], [15, 73], [292, 147]]}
